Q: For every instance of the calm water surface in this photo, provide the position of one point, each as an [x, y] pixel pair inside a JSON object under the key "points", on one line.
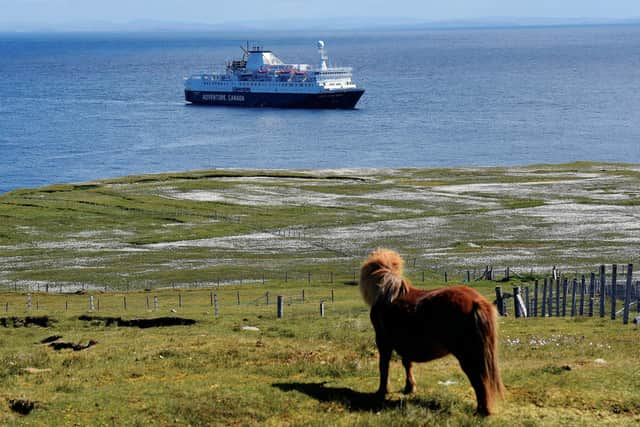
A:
{"points": [[82, 107]]}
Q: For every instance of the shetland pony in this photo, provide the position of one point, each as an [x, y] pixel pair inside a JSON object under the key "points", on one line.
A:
{"points": [[425, 325]]}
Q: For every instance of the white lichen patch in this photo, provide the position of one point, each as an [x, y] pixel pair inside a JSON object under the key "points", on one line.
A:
{"points": [[569, 220], [253, 195], [255, 242], [530, 218]]}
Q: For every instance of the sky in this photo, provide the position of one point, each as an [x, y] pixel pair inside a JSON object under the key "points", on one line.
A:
{"points": [[61, 13]]}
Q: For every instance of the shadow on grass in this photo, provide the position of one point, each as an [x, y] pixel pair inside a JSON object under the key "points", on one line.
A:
{"points": [[354, 400], [138, 323]]}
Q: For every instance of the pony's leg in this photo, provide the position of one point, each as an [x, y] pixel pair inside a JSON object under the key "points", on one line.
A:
{"points": [[473, 369], [385, 358], [410, 385]]}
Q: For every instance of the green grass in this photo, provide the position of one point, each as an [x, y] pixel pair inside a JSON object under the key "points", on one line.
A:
{"points": [[313, 228], [299, 370]]}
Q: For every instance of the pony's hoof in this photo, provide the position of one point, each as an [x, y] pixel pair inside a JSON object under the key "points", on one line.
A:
{"points": [[380, 394], [483, 412], [409, 389]]}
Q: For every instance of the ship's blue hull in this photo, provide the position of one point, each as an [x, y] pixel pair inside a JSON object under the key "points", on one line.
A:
{"points": [[345, 99]]}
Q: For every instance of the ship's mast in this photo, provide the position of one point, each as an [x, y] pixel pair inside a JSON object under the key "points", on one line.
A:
{"points": [[323, 55], [245, 51]]}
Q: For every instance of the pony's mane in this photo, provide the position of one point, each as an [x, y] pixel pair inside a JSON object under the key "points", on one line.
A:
{"points": [[381, 276]]}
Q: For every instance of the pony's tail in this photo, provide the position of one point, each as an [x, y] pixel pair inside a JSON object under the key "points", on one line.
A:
{"points": [[487, 329]]}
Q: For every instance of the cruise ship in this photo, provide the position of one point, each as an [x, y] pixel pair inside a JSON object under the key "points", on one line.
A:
{"points": [[261, 79]]}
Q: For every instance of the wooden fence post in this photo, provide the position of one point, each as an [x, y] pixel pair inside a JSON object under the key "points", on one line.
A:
{"points": [[280, 306], [558, 297], [322, 308], [603, 282], [544, 297], [91, 306], [527, 302], [147, 302], [592, 292], [445, 277], [614, 284], [518, 304], [535, 298], [549, 299], [124, 302], [499, 301], [468, 276], [574, 285], [582, 289], [216, 309], [179, 300], [238, 297], [302, 296], [332, 295], [627, 294]]}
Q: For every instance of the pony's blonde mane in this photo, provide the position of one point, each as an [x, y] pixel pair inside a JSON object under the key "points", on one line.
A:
{"points": [[381, 276]]}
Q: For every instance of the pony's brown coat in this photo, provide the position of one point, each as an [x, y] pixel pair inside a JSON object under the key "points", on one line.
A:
{"points": [[425, 325]]}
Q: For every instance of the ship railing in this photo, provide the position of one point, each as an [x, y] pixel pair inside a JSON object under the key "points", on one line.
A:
{"points": [[335, 70]]}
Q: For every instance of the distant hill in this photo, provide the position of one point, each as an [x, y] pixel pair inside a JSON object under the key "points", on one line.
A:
{"points": [[345, 23]]}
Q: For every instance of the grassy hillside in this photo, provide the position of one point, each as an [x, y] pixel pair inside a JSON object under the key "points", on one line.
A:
{"points": [[179, 229], [182, 237]]}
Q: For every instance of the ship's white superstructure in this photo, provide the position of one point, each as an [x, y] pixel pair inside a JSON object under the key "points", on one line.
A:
{"points": [[260, 78]]}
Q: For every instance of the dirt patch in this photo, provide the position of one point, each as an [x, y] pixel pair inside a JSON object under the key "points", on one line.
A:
{"points": [[22, 406], [19, 322], [139, 323], [52, 338], [57, 346]]}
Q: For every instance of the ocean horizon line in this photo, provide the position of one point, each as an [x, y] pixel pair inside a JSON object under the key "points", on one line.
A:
{"points": [[305, 26]]}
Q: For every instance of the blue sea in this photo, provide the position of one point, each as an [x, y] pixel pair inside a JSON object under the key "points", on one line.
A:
{"points": [[79, 107]]}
